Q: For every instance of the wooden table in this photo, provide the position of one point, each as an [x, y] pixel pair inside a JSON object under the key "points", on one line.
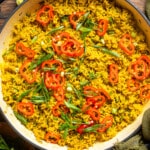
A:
{"points": [[7, 6]]}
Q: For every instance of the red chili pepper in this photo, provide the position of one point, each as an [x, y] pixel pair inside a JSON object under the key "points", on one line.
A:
{"points": [[126, 44], [102, 27], [58, 108], [53, 81], [90, 91], [25, 51], [74, 18], [59, 94], [45, 15], [81, 128], [52, 137], [113, 73], [133, 85], [104, 93], [96, 101], [140, 69], [145, 92], [25, 108], [58, 40], [85, 107], [146, 59], [25, 73], [106, 123], [72, 48], [93, 113]]}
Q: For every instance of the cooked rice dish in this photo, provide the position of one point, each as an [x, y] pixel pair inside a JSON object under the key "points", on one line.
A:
{"points": [[76, 72]]}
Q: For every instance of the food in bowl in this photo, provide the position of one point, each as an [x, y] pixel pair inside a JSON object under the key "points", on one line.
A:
{"points": [[78, 72]]}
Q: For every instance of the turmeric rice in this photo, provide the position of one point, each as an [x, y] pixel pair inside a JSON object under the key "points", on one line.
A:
{"points": [[78, 72]]}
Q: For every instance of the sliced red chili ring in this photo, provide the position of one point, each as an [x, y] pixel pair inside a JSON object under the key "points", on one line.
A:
{"points": [[145, 92], [59, 108], [133, 85], [140, 69], [52, 137], [45, 15], [53, 81], [90, 91], [96, 101], [93, 113], [126, 44], [113, 73], [72, 48], [104, 93], [59, 94], [102, 27], [58, 40], [25, 73], [106, 123], [74, 18], [25, 108], [146, 59], [21, 49]]}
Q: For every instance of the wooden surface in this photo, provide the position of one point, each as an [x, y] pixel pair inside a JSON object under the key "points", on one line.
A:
{"points": [[7, 6]]}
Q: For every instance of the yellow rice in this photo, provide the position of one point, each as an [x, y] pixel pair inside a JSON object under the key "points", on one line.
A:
{"points": [[124, 106]]}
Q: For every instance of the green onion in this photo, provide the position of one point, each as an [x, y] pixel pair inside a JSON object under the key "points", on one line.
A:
{"points": [[92, 128], [85, 16], [24, 94], [111, 21], [114, 111], [85, 29], [34, 39], [38, 99], [92, 75], [49, 69], [71, 106], [21, 118], [40, 94], [105, 50], [43, 58], [56, 29], [83, 83]]}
